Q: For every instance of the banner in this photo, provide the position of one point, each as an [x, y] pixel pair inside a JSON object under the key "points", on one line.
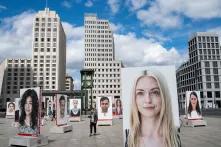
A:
{"points": [[61, 110], [193, 105], [10, 109], [75, 110], [148, 92], [29, 112], [104, 107]]}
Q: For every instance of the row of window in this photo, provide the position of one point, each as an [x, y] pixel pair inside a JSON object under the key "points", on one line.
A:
{"points": [[43, 34], [98, 45], [43, 44], [209, 57], [44, 50], [45, 24], [95, 22], [47, 57], [46, 19], [106, 86], [19, 61], [209, 51], [97, 36], [106, 91], [98, 40], [208, 45], [98, 31], [95, 27], [107, 75], [106, 80], [97, 50]]}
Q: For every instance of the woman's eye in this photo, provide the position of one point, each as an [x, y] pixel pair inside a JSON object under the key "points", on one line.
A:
{"points": [[140, 93], [155, 93]]}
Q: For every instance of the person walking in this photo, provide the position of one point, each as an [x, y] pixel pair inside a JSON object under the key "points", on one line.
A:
{"points": [[93, 121]]}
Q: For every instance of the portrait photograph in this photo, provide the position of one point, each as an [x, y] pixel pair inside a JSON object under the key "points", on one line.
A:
{"points": [[118, 110], [150, 106], [61, 110], [193, 105], [75, 109], [10, 109], [29, 111], [104, 107]]}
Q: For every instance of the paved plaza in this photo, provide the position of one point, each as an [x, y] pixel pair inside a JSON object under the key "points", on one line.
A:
{"points": [[112, 136]]}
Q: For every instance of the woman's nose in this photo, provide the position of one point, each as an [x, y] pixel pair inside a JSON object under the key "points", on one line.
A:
{"points": [[147, 98]]}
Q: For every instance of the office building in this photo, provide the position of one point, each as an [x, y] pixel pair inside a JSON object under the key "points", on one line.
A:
{"points": [[15, 75], [49, 51], [202, 71], [100, 56]]}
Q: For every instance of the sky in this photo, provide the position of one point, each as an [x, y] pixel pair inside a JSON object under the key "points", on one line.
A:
{"points": [[146, 32]]}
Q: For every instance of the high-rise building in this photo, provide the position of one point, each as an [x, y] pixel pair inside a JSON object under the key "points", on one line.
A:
{"points": [[49, 51], [202, 72], [15, 75], [69, 85], [100, 56]]}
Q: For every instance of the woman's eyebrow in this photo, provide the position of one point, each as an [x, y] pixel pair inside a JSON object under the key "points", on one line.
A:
{"points": [[155, 88]]}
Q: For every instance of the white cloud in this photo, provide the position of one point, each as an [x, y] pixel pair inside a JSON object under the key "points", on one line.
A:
{"points": [[114, 5], [169, 13], [89, 3], [2, 8], [135, 51], [116, 27], [156, 36], [75, 45], [66, 4], [137, 4], [16, 36]]}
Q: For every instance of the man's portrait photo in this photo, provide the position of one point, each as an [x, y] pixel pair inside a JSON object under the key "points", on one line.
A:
{"points": [[104, 105], [61, 109]]}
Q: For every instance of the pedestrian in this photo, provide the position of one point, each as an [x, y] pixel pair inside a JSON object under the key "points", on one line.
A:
{"points": [[93, 121]]}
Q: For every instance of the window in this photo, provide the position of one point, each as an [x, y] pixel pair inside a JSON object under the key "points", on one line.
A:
{"points": [[209, 94], [217, 94], [216, 85], [206, 64], [208, 85]]}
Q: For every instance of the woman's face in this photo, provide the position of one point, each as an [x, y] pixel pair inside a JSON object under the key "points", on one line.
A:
{"points": [[193, 100], [28, 106], [118, 103], [148, 97]]}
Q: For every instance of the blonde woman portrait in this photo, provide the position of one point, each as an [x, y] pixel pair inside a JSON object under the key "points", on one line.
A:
{"points": [[151, 119]]}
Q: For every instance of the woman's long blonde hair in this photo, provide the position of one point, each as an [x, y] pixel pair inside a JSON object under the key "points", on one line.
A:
{"points": [[165, 124]]}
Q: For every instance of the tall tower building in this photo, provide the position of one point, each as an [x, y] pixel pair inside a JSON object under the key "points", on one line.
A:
{"points": [[100, 56], [49, 51], [202, 72]]}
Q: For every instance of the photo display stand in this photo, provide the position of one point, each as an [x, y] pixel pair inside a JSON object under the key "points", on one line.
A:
{"points": [[61, 116], [27, 139], [193, 110], [104, 107], [75, 110]]}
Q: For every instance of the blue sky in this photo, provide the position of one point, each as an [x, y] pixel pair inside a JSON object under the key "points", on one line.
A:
{"points": [[148, 31]]}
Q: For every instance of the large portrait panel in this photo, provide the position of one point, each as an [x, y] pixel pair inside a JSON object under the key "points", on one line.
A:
{"points": [[75, 109], [29, 111], [10, 109], [61, 110], [148, 92], [104, 107], [193, 105]]}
